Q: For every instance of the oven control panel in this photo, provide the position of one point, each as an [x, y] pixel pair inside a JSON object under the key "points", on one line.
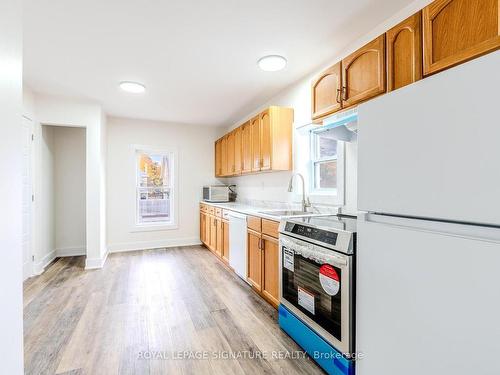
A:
{"points": [[316, 234]]}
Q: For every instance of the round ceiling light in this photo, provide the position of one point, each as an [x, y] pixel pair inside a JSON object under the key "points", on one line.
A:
{"points": [[272, 63], [133, 87]]}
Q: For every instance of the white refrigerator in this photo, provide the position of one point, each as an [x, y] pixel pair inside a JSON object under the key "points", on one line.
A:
{"points": [[428, 257]]}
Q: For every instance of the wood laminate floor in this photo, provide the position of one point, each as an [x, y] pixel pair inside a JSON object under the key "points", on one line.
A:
{"points": [[166, 311]]}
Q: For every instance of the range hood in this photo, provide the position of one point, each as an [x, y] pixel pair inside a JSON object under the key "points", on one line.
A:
{"points": [[343, 126]]}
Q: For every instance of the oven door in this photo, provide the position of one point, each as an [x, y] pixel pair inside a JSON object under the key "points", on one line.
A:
{"points": [[315, 284]]}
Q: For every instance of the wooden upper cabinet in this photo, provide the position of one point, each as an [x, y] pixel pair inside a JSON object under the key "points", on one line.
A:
{"points": [[459, 30], [218, 158], [262, 144], [363, 73], [246, 148], [223, 148], [255, 137], [325, 92], [230, 154], [238, 150], [266, 140], [404, 53]]}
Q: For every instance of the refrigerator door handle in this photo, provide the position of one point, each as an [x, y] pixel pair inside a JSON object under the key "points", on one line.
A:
{"points": [[462, 230]]}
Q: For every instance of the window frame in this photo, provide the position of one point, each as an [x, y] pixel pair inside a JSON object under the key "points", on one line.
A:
{"points": [[325, 195], [136, 225]]}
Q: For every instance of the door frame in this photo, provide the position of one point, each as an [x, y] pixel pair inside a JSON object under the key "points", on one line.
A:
{"points": [[29, 265]]}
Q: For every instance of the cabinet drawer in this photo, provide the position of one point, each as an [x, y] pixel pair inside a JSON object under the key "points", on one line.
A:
{"points": [[211, 210], [225, 214], [270, 228], [218, 212], [254, 223], [203, 207]]}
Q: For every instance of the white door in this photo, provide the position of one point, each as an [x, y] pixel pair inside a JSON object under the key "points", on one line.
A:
{"points": [[27, 198]]}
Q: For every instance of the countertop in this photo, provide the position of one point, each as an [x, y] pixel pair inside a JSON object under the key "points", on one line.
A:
{"points": [[257, 210]]}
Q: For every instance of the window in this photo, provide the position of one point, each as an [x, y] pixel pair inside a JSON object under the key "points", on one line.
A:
{"points": [[324, 161], [154, 188]]}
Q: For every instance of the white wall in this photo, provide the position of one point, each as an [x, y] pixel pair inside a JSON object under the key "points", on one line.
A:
{"points": [[57, 111], [44, 231], [195, 169], [69, 189], [11, 157], [272, 186]]}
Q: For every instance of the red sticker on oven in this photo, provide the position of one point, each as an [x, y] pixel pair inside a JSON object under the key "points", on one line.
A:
{"points": [[329, 279]]}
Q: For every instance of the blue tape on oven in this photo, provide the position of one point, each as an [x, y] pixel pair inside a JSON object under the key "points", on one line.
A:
{"points": [[319, 350]]}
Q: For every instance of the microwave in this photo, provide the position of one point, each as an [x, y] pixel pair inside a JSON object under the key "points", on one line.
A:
{"points": [[216, 193]]}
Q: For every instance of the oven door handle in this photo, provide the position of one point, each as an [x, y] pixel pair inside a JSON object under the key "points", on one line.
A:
{"points": [[316, 253]]}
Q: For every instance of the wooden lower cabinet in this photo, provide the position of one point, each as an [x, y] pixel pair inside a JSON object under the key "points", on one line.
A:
{"points": [[270, 269], [225, 241], [203, 227], [212, 242], [254, 264], [262, 249], [214, 232], [219, 237], [263, 263]]}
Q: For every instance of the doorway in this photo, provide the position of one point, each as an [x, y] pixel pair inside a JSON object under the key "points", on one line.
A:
{"points": [[61, 205]]}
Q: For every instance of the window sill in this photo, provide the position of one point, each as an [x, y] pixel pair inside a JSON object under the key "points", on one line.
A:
{"points": [[153, 227]]}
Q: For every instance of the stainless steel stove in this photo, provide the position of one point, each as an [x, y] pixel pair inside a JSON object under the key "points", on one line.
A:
{"points": [[316, 275], [336, 232]]}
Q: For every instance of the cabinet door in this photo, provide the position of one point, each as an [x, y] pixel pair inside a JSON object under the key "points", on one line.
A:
{"points": [[363, 73], [218, 159], [219, 237], [404, 53], [230, 154], [254, 268], [203, 228], [459, 30], [246, 145], [223, 148], [225, 241], [325, 92], [212, 243], [266, 140], [270, 269], [255, 136], [237, 150]]}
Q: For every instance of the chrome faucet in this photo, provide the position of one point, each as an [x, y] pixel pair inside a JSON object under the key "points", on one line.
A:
{"points": [[305, 201]]}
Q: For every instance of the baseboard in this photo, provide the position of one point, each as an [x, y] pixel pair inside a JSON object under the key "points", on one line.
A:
{"points": [[71, 251], [148, 245], [39, 267], [96, 263]]}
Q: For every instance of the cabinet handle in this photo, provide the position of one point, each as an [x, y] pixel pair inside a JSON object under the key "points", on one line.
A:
{"points": [[337, 99], [344, 93], [262, 247]]}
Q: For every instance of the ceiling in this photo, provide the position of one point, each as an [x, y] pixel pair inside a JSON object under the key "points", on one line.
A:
{"points": [[196, 58]]}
